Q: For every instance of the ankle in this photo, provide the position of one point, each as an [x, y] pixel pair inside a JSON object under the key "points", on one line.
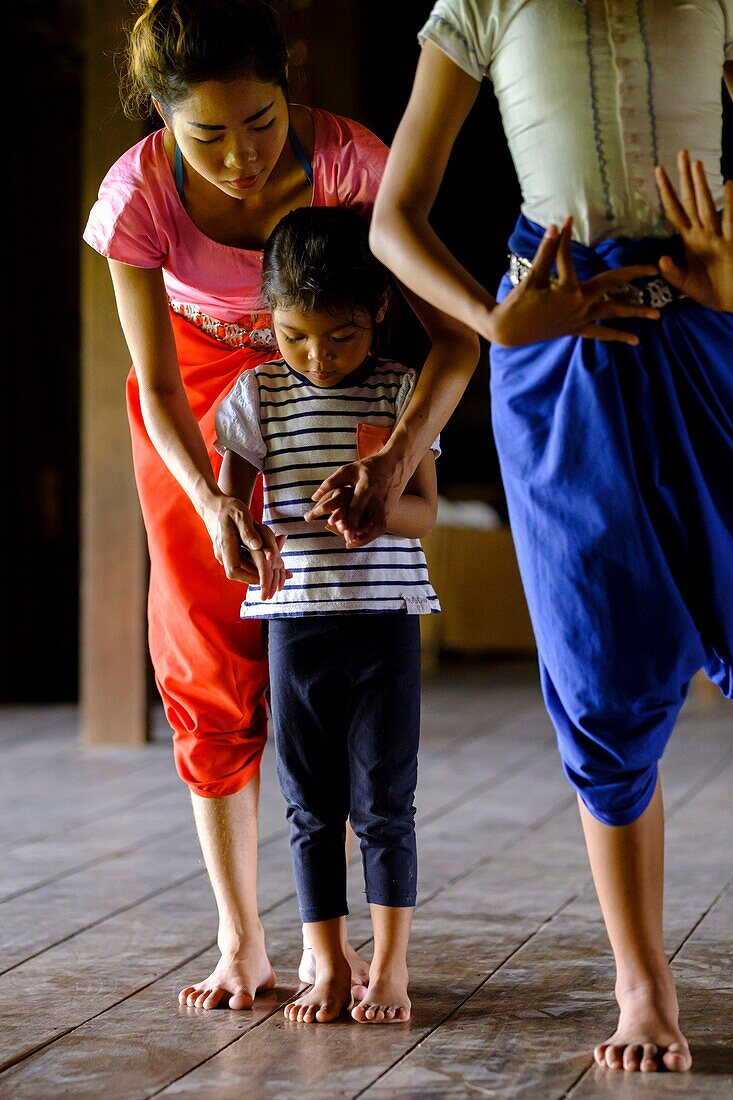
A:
{"points": [[330, 965], [388, 969], [646, 983], [235, 938]]}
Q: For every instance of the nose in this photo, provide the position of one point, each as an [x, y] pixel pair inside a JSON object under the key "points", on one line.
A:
{"points": [[319, 352], [240, 155]]}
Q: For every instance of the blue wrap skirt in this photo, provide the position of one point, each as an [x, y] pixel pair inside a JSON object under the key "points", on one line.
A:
{"points": [[618, 469]]}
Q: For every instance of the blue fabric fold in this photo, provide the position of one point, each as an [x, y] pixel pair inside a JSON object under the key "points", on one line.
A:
{"points": [[618, 469]]}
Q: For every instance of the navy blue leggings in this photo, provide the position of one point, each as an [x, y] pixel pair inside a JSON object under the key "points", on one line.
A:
{"points": [[345, 699]]}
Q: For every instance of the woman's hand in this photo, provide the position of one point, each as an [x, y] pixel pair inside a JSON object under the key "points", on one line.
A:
{"points": [[375, 485], [248, 550], [541, 308], [333, 506], [708, 237]]}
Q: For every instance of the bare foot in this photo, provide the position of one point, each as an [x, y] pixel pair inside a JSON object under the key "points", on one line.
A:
{"points": [[329, 997], [237, 979], [359, 970], [385, 1001], [648, 1037]]}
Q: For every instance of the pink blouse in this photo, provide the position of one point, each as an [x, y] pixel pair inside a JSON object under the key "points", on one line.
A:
{"points": [[139, 219]]}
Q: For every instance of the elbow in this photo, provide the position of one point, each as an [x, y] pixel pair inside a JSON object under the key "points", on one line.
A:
{"points": [[379, 236], [427, 521], [461, 342]]}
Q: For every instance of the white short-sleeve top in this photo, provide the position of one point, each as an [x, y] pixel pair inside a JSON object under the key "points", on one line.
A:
{"points": [[593, 94], [297, 434]]}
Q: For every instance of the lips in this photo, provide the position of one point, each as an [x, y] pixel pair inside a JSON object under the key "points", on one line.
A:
{"points": [[243, 182]]}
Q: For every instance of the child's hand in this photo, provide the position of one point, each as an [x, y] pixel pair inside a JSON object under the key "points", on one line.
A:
{"points": [[266, 566]]}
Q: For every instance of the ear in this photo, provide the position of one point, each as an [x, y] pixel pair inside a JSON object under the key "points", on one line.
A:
{"points": [[383, 305], [160, 111]]}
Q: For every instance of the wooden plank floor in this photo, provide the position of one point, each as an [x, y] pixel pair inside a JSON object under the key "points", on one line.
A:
{"points": [[105, 911]]}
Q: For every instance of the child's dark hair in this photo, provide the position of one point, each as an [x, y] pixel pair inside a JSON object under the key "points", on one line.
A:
{"points": [[175, 44], [318, 258]]}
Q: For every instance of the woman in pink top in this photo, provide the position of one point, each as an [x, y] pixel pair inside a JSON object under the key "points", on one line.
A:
{"points": [[182, 218]]}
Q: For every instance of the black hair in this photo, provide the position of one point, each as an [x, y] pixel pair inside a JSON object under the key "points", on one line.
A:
{"points": [[318, 258], [175, 44]]}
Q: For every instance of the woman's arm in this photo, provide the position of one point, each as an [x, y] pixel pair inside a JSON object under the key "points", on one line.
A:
{"points": [[172, 427], [414, 514], [237, 479], [403, 239]]}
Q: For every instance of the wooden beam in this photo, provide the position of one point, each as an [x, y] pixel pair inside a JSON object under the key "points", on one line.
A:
{"points": [[114, 567]]}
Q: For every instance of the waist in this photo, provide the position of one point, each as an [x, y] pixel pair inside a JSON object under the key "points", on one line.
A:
{"points": [[253, 331], [592, 260]]}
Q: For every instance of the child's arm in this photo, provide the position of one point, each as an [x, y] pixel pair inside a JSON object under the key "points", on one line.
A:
{"points": [[237, 479], [412, 517], [414, 514]]}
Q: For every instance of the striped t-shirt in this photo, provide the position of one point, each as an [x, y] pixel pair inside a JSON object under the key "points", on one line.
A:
{"points": [[297, 434]]}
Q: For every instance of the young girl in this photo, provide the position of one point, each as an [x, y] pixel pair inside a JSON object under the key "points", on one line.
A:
{"points": [[343, 630]]}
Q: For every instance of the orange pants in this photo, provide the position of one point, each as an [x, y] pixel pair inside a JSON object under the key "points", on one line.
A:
{"points": [[210, 666]]}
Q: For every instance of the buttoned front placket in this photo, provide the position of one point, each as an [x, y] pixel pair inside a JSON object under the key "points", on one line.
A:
{"points": [[621, 76]]}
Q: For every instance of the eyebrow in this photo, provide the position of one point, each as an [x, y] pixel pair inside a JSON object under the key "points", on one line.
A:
{"points": [[294, 328], [252, 118]]}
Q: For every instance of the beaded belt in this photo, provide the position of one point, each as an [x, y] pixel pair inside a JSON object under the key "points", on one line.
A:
{"points": [[655, 292], [255, 334]]}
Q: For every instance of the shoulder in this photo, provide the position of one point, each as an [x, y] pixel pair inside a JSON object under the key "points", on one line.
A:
{"points": [[349, 158], [139, 169], [123, 223], [388, 370], [273, 368], [464, 30], [337, 132]]}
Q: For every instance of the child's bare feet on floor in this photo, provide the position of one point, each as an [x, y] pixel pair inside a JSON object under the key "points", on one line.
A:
{"points": [[359, 970], [385, 1001], [648, 1037], [235, 982], [326, 1001]]}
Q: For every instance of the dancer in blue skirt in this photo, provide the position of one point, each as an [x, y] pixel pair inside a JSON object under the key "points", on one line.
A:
{"points": [[617, 456]]}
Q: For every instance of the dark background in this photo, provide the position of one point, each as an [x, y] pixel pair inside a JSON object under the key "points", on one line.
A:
{"points": [[350, 56]]}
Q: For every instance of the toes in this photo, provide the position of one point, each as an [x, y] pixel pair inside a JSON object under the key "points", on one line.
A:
{"points": [[357, 1013], [185, 994], [201, 996], [614, 1056], [403, 1014], [677, 1058], [632, 1058], [241, 999], [649, 1059], [600, 1054], [213, 998]]}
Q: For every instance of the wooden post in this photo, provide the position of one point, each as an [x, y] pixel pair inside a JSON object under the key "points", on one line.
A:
{"points": [[113, 662]]}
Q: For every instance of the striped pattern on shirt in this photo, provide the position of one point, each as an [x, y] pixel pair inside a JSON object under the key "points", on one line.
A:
{"points": [[298, 434]]}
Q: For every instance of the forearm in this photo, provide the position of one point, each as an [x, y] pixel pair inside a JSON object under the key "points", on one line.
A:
{"points": [[413, 517], [177, 438], [446, 373]]}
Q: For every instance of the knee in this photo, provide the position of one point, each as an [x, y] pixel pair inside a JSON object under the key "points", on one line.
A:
{"points": [[382, 825], [215, 765]]}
